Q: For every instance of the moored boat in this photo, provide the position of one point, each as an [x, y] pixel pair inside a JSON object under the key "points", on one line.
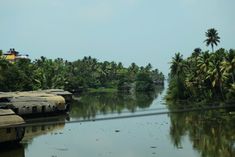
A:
{"points": [[34, 102], [11, 127]]}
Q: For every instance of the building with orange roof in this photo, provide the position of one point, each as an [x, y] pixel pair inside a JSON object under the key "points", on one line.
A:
{"points": [[13, 56]]}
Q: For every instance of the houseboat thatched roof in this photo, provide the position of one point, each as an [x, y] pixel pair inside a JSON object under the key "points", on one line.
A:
{"points": [[30, 96], [4, 112], [33, 101], [57, 91], [50, 94], [9, 119]]}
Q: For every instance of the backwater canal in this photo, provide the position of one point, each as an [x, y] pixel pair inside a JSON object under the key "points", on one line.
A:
{"points": [[110, 124]]}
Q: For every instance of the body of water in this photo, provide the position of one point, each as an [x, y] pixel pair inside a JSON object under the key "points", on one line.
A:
{"points": [[124, 125]]}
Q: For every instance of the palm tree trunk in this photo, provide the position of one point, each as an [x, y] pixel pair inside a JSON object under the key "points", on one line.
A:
{"points": [[212, 47], [221, 90], [233, 77]]}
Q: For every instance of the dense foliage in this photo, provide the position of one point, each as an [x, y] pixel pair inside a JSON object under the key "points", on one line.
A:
{"points": [[203, 76], [76, 76]]}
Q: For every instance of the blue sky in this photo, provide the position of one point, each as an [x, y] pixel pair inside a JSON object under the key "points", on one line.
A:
{"points": [[140, 31]]}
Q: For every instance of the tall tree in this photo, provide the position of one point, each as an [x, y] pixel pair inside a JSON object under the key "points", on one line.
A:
{"points": [[229, 64], [177, 77], [215, 71], [212, 38], [177, 64]]}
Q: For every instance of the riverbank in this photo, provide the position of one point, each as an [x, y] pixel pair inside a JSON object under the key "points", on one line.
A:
{"points": [[102, 90], [77, 76], [203, 76]]}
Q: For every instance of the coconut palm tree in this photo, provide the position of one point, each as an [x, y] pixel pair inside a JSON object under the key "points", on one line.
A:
{"points": [[215, 71], [177, 76], [177, 64], [148, 67], [228, 65], [4, 64], [196, 52], [204, 62], [212, 38]]}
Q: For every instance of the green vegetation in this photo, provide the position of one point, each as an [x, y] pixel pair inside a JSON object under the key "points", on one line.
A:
{"points": [[211, 132], [203, 75], [77, 76], [212, 38], [102, 90]]}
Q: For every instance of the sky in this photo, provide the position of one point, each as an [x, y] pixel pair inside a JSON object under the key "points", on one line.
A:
{"points": [[140, 31]]}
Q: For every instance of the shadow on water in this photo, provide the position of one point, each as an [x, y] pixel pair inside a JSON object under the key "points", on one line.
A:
{"points": [[42, 126], [211, 132], [12, 150], [92, 104]]}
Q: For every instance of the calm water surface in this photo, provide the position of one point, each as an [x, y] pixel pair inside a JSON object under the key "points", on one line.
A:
{"points": [[192, 134]]}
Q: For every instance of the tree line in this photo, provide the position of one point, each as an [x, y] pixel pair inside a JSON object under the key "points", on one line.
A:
{"points": [[204, 75], [80, 75]]}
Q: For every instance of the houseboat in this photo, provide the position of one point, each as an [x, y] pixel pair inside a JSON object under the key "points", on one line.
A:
{"points": [[32, 103], [11, 127]]}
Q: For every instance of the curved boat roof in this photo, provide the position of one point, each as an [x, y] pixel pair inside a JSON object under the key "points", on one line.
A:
{"points": [[8, 118], [4, 112], [39, 93]]}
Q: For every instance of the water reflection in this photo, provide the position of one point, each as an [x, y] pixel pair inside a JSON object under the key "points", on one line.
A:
{"points": [[42, 126], [35, 127], [12, 151], [93, 104], [211, 132]]}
